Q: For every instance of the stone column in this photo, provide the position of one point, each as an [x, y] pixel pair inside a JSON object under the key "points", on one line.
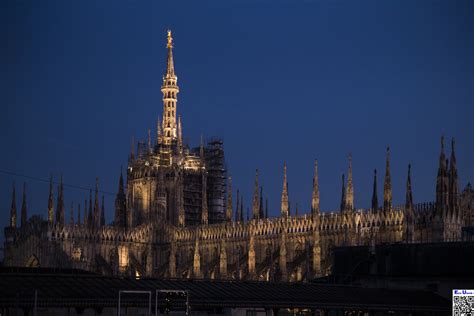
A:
{"points": [[149, 262], [197, 258], [316, 248], [282, 259], [223, 261], [251, 259], [172, 260], [123, 255]]}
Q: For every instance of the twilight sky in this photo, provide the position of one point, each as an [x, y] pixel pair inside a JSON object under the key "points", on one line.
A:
{"points": [[278, 80]]}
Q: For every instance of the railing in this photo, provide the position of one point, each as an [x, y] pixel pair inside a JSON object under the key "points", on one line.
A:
{"points": [[133, 292], [181, 293]]}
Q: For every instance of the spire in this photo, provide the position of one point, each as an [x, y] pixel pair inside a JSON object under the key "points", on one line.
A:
{"points": [[60, 205], [78, 213], [387, 185], [201, 148], [409, 194], [149, 141], [24, 217], [132, 149], [13, 208], [120, 189], [86, 220], [90, 220], [266, 207], [102, 213], [453, 181], [71, 215], [261, 214], [343, 197], [452, 160], [315, 195], [120, 204], [442, 146], [255, 203], [375, 200], [237, 207], [284, 195], [242, 209], [442, 181], [170, 64], [170, 92], [350, 188], [51, 202], [96, 211], [229, 200], [409, 219]]}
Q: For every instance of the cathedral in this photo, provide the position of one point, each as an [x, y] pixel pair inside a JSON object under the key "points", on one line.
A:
{"points": [[175, 217]]}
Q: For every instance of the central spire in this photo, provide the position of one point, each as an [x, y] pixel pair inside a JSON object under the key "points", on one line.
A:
{"points": [[170, 92], [170, 65]]}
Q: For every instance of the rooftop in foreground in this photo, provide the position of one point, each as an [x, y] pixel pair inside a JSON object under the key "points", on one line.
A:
{"points": [[74, 288]]}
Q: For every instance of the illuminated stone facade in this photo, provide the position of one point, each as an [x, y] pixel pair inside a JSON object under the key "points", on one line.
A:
{"points": [[174, 217]]}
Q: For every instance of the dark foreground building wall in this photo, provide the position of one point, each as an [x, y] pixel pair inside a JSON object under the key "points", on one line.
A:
{"points": [[438, 267], [74, 292]]}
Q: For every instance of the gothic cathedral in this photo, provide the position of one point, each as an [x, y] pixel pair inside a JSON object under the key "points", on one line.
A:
{"points": [[175, 217]]}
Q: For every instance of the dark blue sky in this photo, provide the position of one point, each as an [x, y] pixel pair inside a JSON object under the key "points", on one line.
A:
{"points": [[277, 80]]}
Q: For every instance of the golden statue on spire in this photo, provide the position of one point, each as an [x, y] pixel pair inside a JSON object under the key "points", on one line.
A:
{"points": [[170, 40]]}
